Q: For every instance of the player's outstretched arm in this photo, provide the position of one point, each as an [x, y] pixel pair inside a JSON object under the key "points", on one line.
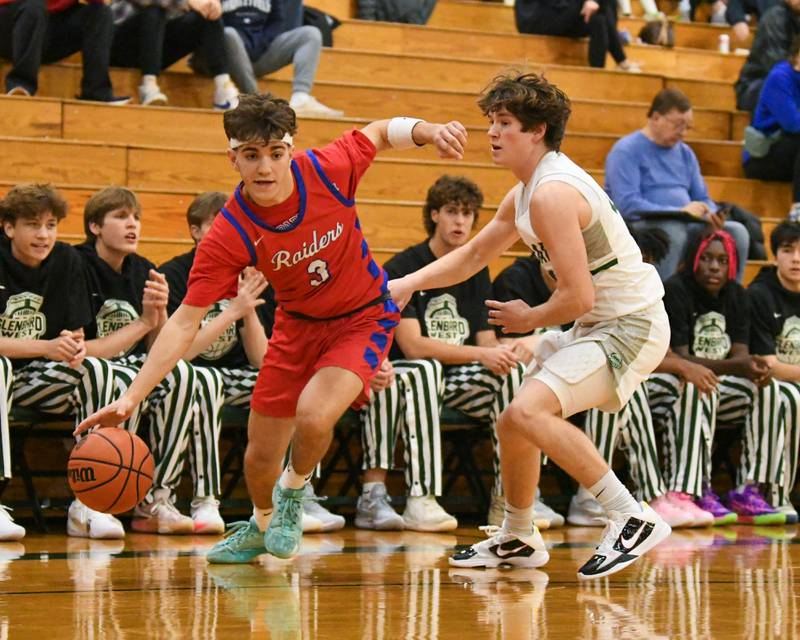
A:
{"points": [[404, 133], [462, 263], [175, 338]]}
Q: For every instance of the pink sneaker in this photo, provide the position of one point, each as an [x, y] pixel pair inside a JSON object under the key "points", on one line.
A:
{"points": [[672, 513], [684, 501]]}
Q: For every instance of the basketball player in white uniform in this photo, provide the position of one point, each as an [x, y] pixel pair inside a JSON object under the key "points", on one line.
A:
{"points": [[621, 331]]}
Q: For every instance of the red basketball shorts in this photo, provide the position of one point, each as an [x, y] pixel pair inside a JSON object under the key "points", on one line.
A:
{"points": [[299, 348]]}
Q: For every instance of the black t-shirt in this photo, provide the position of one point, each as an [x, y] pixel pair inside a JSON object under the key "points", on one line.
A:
{"points": [[39, 303], [522, 280], [708, 325], [775, 318], [116, 298], [452, 314], [227, 350]]}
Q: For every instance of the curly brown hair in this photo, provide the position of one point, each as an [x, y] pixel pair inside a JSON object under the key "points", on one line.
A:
{"points": [[451, 190], [532, 100], [260, 117], [30, 201]]}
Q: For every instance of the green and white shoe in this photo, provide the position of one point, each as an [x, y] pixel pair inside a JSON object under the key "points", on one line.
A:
{"points": [[285, 530], [242, 542]]}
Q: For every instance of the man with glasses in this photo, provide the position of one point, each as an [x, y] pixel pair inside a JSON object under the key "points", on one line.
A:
{"points": [[654, 178]]}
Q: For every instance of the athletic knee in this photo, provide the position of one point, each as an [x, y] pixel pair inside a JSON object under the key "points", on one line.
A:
{"points": [[514, 419], [312, 424]]}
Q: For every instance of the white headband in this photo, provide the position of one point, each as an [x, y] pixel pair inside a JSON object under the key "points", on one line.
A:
{"points": [[234, 143]]}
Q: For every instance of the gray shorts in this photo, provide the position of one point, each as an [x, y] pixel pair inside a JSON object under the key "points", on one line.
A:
{"points": [[600, 365]]}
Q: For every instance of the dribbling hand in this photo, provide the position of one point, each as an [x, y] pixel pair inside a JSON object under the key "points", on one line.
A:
{"points": [[109, 416]]}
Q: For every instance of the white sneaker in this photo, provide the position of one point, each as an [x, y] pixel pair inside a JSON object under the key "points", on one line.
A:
{"points": [[374, 511], [83, 522], [161, 516], [424, 513], [626, 538], [9, 530], [541, 511], [310, 107], [502, 548], [317, 518], [497, 513], [151, 94], [205, 516], [226, 97], [586, 513]]}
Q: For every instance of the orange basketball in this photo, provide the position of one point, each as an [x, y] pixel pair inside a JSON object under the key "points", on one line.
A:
{"points": [[110, 470]]}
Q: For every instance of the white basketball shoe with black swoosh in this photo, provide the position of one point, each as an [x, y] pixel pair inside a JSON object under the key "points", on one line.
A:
{"points": [[504, 548], [626, 538]]}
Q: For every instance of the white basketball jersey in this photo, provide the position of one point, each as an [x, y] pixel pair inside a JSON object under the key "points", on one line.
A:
{"points": [[623, 283]]}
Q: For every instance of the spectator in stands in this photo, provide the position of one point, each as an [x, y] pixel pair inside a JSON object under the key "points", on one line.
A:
{"points": [[775, 314], [152, 35], [9, 530], [710, 325], [777, 28], [737, 12], [45, 304], [129, 307], [772, 142], [262, 36], [226, 355], [577, 19], [35, 31], [654, 178], [444, 353]]}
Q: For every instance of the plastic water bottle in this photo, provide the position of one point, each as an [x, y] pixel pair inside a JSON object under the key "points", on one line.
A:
{"points": [[724, 43]]}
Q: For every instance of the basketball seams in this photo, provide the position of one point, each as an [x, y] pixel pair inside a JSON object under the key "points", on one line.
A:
{"points": [[128, 476]]}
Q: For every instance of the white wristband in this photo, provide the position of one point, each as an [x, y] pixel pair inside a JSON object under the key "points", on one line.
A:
{"points": [[399, 132]]}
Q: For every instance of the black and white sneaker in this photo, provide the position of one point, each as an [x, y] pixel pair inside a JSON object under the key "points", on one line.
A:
{"points": [[504, 548], [626, 538]]}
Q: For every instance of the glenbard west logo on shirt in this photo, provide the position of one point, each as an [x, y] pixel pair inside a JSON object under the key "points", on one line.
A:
{"points": [[710, 339], [113, 316], [22, 318], [225, 342], [787, 344], [443, 321]]}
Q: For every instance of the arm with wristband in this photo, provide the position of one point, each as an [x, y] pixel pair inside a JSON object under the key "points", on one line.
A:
{"points": [[407, 133]]}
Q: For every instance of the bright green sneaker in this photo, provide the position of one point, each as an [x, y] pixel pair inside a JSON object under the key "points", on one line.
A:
{"points": [[242, 542], [285, 530]]}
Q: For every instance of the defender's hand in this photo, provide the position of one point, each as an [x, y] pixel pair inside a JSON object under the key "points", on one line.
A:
{"points": [[512, 316]]}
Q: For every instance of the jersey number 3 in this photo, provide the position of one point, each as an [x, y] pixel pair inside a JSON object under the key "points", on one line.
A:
{"points": [[319, 271]]}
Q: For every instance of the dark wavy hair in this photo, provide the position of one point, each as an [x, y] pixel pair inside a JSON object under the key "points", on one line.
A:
{"points": [[532, 100], [260, 117], [29, 201]]}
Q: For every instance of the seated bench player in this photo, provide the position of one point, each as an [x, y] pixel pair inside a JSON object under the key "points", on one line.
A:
{"points": [[444, 353], [129, 304], [45, 303], [226, 355]]}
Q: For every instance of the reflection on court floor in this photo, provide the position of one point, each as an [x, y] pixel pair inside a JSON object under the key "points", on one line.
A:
{"points": [[736, 582]]}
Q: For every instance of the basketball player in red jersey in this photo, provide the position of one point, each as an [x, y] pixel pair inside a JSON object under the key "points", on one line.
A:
{"points": [[293, 218]]}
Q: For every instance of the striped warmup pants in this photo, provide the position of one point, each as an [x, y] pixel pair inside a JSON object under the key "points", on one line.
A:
{"points": [[219, 386], [773, 457], [690, 419], [633, 424], [6, 379], [412, 407]]}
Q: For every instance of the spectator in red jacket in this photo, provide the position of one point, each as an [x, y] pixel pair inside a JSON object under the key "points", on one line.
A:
{"points": [[36, 31]]}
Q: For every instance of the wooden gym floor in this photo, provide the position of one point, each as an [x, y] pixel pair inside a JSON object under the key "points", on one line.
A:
{"points": [[734, 582]]}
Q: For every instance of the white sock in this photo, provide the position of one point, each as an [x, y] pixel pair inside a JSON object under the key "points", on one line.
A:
{"points": [[298, 97], [583, 494], [613, 495], [262, 517], [518, 521], [292, 480], [221, 80], [367, 487], [149, 80]]}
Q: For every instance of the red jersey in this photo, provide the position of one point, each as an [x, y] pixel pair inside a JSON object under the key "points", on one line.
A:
{"points": [[310, 247]]}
